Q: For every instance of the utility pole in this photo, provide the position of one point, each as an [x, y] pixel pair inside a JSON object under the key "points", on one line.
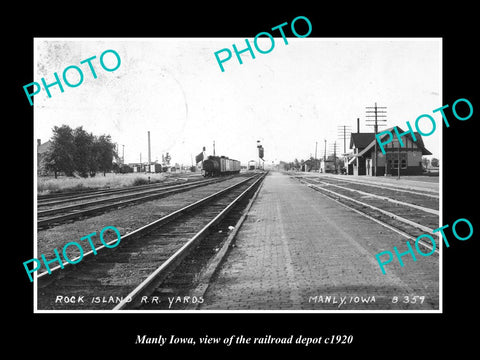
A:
{"points": [[379, 114], [343, 135], [343, 129], [334, 155], [325, 151], [213, 147], [149, 154], [316, 144], [325, 156], [123, 154]]}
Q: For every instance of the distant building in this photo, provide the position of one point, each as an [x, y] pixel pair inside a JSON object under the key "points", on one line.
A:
{"points": [[42, 150], [136, 167], [146, 167], [409, 157], [328, 165], [155, 168]]}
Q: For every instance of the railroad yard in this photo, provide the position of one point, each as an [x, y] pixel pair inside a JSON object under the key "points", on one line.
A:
{"points": [[250, 241]]}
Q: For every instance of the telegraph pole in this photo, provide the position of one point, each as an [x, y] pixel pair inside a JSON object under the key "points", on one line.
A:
{"points": [[334, 155], [325, 156], [379, 114], [343, 129], [343, 135], [325, 151], [316, 144], [149, 147]]}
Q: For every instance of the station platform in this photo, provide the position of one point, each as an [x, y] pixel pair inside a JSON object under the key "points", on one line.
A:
{"points": [[299, 250]]}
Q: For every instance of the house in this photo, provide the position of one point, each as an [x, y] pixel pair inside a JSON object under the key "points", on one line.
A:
{"points": [[409, 156], [42, 150]]}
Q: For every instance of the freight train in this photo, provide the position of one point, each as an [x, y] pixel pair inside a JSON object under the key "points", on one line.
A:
{"points": [[219, 165]]}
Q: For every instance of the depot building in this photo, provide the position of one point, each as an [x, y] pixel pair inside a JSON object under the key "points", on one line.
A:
{"points": [[361, 160]]}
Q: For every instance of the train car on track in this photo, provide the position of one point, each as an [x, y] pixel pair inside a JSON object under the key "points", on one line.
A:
{"points": [[155, 168], [252, 165], [220, 165]]}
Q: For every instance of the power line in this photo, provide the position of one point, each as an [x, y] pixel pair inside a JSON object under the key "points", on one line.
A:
{"points": [[378, 114], [334, 155], [343, 129]]}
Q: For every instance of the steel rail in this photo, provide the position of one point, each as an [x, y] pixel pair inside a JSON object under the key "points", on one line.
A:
{"points": [[385, 212], [76, 214], [66, 195], [132, 194], [433, 193], [214, 263], [142, 230], [88, 191], [384, 224], [107, 192], [165, 269], [422, 208]]}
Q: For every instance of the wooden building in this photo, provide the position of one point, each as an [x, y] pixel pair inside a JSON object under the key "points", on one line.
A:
{"points": [[42, 150], [409, 156]]}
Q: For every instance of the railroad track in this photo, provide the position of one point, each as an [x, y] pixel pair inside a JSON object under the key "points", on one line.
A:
{"points": [[119, 278], [48, 214], [60, 198], [407, 212], [413, 188], [84, 192]]}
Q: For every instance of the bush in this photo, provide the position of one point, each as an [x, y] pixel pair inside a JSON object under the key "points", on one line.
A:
{"points": [[140, 181]]}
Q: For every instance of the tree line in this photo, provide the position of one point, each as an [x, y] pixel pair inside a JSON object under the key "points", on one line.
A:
{"points": [[75, 151], [314, 164], [309, 164]]}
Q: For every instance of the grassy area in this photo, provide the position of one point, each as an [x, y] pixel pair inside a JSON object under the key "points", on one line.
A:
{"points": [[48, 184]]}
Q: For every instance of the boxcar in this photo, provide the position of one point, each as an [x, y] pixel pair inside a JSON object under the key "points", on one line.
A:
{"points": [[220, 165]]}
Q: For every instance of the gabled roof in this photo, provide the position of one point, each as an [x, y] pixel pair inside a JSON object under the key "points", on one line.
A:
{"points": [[44, 147], [360, 140]]}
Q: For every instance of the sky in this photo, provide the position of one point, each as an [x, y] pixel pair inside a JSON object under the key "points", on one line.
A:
{"points": [[291, 98]]}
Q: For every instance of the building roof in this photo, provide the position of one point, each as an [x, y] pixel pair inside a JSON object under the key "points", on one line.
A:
{"points": [[43, 148], [366, 141], [361, 140]]}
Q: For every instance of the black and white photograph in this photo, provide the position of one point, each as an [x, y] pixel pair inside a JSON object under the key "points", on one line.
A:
{"points": [[174, 177]]}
